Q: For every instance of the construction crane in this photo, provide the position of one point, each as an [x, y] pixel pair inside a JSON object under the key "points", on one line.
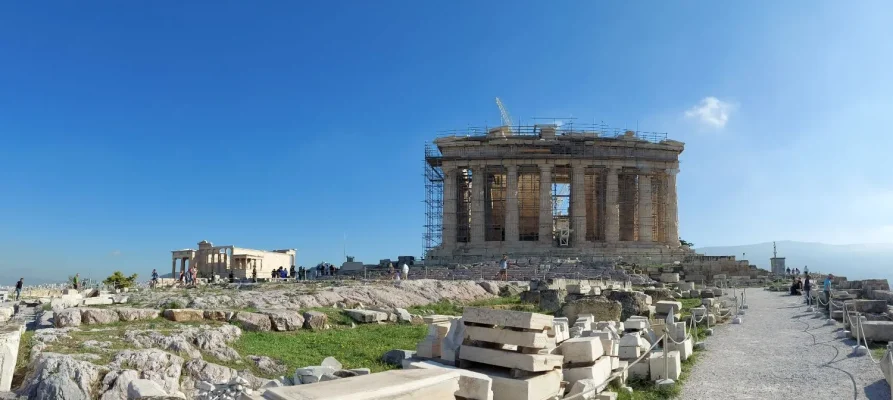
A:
{"points": [[506, 118]]}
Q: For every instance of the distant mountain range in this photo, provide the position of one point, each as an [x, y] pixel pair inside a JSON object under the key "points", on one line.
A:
{"points": [[855, 261]]}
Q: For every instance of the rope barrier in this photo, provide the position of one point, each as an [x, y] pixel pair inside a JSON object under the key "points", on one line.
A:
{"points": [[864, 340]]}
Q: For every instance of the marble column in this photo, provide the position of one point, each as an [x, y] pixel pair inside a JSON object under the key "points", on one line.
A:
{"points": [[448, 239], [511, 204], [672, 209], [646, 207], [478, 175], [545, 235], [612, 207], [578, 205], [174, 269]]}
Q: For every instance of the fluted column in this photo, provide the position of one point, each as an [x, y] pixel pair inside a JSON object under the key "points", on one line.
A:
{"points": [[448, 238], [612, 207], [646, 208], [545, 235], [578, 205], [174, 269], [511, 204], [477, 204], [672, 209]]}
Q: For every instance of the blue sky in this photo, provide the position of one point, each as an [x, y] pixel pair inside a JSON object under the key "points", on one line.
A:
{"points": [[129, 130]]}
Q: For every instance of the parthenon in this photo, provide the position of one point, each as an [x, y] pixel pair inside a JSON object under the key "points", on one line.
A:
{"points": [[549, 190]]}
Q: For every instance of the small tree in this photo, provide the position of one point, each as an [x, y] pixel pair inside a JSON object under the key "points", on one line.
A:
{"points": [[118, 280], [685, 243]]}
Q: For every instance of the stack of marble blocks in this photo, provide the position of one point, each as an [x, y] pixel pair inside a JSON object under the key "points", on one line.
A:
{"points": [[591, 360], [516, 350]]}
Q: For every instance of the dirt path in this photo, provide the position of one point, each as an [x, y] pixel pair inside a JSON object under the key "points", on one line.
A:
{"points": [[782, 352]]}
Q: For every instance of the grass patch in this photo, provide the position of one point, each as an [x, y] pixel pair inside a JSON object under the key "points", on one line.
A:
{"points": [[360, 347], [646, 390], [22, 362], [877, 350]]}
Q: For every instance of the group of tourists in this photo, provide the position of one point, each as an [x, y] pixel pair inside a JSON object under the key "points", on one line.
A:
{"points": [[189, 277], [397, 275], [803, 286], [796, 271]]}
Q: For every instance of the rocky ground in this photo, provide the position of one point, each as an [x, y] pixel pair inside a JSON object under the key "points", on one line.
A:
{"points": [[303, 295], [108, 352]]}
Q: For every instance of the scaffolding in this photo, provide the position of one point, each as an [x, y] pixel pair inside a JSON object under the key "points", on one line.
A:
{"points": [[595, 204], [495, 204], [433, 235], [528, 204]]}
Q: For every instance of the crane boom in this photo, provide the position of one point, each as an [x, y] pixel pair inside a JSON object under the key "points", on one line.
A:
{"points": [[506, 118]]}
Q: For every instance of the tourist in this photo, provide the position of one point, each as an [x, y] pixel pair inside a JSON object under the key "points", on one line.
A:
{"points": [[194, 276], [331, 270], [154, 282], [76, 282], [232, 277], [291, 272], [182, 277], [787, 271], [503, 268], [19, 285], [283, 274], [391, 271], [405, 271], [273, 274], [254, 274], [807, 287], [827, 287], [798, 287]]}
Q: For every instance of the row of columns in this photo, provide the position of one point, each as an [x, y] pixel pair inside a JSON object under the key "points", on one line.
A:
{"points": [[578, 204]]}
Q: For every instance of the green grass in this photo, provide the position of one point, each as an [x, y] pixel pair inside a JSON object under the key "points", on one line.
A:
{"points": [[360, 347], [646, 390], [877, 350], [22, 362]]}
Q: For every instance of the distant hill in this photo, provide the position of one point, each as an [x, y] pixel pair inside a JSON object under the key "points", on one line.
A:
{"points": [[855, 261]]}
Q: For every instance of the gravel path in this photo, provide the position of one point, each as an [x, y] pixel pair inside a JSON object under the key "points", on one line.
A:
{"points": [[782, 352]]}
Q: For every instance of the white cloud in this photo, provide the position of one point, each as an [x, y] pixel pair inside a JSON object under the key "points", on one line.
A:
{"points": [[711, 112], [115, 253]]}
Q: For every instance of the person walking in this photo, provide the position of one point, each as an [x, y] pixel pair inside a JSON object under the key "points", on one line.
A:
{"points": [[19, 285], [503, 268], [154, 281]]}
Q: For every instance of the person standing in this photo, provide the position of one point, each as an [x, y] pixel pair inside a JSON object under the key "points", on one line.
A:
{"points": [[254, 274], [291, 272], [503, 268], [76, 281], [405, 271], [19, 285], [826, 286], [807, 287], [194, 276], [154, 281]]}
